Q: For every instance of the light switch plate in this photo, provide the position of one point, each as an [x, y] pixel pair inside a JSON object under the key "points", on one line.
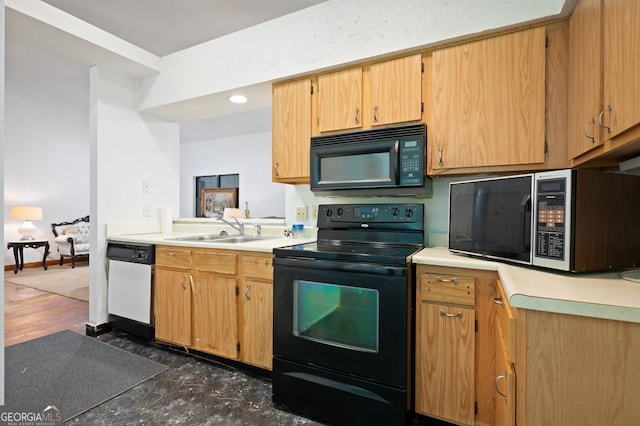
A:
{"points": [[301, 213]]}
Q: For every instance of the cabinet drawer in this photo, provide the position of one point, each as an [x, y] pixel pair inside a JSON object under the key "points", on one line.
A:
{"points": [[444, 288], [257, 266], [506, 319], [173, 257], [220, 261]]}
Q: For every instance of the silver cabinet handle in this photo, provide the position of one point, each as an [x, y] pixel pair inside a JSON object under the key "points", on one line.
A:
{"points": [[502, 376], [275, 169], [375, 114], [184, 278], [440, 160], [498, 301], [171, 254], [246, 292], [442, 280], [444, 314], [357, 120], [584, 131], [607, 109]]}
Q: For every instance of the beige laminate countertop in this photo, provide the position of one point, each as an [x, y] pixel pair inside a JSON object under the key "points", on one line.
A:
{"points": [[598, 295], [265, 245]]}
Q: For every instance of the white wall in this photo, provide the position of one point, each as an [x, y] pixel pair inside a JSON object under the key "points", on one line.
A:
{"points": [[247, 155], [46, 156], [127, 148], [436, 208]]}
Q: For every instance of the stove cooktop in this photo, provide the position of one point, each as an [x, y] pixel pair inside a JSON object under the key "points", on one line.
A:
{"points": [[352, 252]]}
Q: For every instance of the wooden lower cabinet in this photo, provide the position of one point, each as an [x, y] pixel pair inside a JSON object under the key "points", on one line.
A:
{"points": [[575, 370], [445, 370], [506, 339], [215, 316], [173, 306], [215, 301], [455, 348], [256, 309]]}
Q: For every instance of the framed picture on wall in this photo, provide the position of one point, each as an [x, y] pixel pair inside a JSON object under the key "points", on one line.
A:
{"points": [[215, 200]]}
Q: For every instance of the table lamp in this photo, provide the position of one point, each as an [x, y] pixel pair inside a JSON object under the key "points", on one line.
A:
{"points": [[26, 213]]}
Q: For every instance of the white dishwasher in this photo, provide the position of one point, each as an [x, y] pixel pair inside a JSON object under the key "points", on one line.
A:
{"points": [[130, 287]]}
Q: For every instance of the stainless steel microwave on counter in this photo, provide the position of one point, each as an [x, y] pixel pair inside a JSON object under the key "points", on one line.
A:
{"points": [[570, 220], [388, 161]]}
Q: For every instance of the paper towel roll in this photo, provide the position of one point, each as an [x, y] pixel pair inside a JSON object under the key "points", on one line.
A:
{"points": [[166, 220]]}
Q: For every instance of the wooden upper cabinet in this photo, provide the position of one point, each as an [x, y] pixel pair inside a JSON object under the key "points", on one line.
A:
{"points": [[488, 102], [340, 100], [621, 64], [585, 69], [291, 131], [396, 95]]}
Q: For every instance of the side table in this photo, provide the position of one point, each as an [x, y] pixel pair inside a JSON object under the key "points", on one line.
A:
{"points": [[18, 255]]}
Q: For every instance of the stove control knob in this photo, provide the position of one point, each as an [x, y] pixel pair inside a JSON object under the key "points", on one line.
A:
{"points": [[329, 212], [408, 212], [340, 211], [395, 211]]}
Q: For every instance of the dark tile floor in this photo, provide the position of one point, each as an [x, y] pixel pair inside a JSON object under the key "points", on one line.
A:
{"points": [[193, 391]]}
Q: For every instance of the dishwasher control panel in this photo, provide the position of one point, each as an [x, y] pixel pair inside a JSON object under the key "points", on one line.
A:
{"points": [[131, 252]]}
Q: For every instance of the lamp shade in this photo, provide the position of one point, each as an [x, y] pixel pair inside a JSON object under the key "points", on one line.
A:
{"points": [[26, 213]]}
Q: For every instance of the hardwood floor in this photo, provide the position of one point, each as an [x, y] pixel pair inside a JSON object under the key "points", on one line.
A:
{"points": [[30, 313]]}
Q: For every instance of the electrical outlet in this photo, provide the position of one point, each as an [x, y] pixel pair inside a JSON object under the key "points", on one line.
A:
{"points": [[301, 213], [314, 213]]}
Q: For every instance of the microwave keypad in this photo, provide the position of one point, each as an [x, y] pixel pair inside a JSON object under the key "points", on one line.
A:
{"points": [[550, 225], [411, 163]]}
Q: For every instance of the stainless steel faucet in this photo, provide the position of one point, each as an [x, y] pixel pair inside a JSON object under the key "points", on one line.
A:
{"points": [[237, 226]]}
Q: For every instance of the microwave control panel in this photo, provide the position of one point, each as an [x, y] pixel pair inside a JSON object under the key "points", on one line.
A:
{"points": [[550, 238], [411, 162]]}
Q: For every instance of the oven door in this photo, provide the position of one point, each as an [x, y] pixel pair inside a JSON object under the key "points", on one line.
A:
{"points": [[352, 318]]}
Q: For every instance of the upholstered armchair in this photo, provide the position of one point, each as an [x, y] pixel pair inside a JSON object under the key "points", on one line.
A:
{"points": [[72, 239]]}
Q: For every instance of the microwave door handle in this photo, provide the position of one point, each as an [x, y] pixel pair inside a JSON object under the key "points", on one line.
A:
{"points": [[394, 161], [526, 236]]}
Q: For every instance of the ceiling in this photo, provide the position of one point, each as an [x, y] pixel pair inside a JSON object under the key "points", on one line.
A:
{"points": [[162, 27], [166, 26]]}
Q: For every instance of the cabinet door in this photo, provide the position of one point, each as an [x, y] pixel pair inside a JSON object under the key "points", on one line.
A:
{"points": [[256, 301], [488, 102], [173, 306], [621, 64], [291, 131], [445, 373], [505, 387], [396, 90], [215, 316], [585, 71], [340, 100]]}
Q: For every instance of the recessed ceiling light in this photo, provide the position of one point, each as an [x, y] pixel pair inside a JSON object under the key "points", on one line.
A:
{"points": [[238, 99]]}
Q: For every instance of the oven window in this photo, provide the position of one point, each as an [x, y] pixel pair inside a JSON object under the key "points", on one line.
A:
{"points": [[336, 315]]}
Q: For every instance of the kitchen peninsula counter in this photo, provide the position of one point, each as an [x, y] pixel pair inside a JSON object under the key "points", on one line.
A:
{"points": [[273, 236], [598, 295]]}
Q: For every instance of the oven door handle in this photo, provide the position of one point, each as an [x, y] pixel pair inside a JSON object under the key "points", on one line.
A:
{"points": [[326, 265]]}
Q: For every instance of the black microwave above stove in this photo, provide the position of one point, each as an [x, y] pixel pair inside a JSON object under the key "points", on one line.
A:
{"points": [[388, 161]]}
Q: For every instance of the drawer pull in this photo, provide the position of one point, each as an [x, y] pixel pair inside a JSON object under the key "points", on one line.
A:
{"points": [[503, 376], [442, 280], [184, 278], [171, 254], [498, 301], [444, 314]]}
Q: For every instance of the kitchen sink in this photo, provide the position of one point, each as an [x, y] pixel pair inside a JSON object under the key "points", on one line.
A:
{"points": [[242, 239], [227, 239], [211, 237]]}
